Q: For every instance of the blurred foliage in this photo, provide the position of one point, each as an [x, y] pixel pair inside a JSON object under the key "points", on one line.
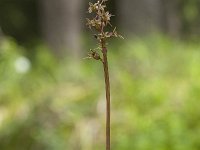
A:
{"points": [[46, 104], [190, 12]]}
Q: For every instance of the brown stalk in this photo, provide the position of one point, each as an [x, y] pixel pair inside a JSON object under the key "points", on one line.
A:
{"points": [[107, 87]]}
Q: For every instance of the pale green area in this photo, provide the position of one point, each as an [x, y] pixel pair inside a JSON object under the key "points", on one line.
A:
{"points": [[55, 105]]}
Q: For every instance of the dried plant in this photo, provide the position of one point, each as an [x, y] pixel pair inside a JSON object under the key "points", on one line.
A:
{"points": [[99, 26]]}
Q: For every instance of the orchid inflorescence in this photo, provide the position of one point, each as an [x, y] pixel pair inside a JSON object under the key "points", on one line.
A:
{"points": [[98, 24]]}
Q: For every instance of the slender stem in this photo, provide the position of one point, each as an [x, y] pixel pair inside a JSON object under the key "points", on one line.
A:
{"points": [[107, 87]]}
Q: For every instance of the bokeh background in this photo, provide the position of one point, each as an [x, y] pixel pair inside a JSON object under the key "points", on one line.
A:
{"points": [[53, 99]]}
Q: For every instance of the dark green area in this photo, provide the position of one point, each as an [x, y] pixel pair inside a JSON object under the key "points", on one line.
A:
{"points": [[19, 19]]}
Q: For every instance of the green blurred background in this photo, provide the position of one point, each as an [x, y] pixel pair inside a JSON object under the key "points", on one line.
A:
{"points": [[52, 99]]}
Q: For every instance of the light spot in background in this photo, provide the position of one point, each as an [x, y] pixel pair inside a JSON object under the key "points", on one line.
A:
{"points": [[101, 106], [88, 133], [22, 65]]}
